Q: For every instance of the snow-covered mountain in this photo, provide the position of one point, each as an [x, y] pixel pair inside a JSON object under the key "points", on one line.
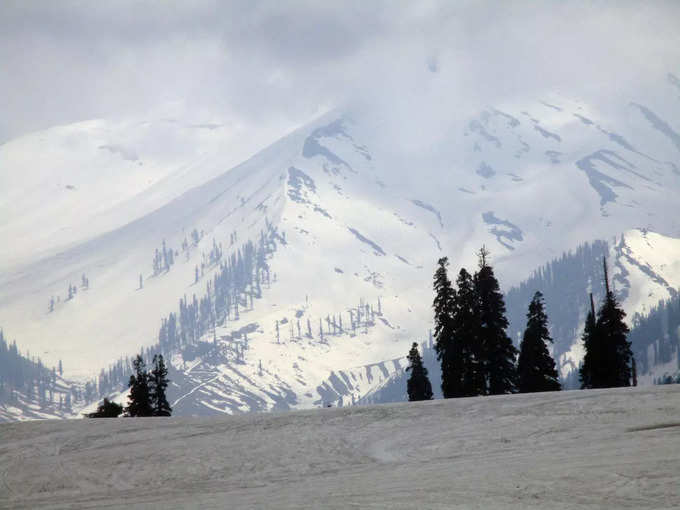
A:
{"points": [[352, 226]]}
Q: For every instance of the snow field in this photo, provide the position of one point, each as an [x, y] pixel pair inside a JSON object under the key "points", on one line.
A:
{"points": [[569, 450]]}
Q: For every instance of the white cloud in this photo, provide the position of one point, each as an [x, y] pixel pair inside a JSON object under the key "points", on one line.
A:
{"points": [[281, 62]]}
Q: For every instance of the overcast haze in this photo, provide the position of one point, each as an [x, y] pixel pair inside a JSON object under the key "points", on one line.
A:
{"points": [[281, 63]]}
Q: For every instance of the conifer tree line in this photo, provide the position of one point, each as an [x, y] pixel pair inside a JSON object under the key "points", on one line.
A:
{"points": [[656, 337], [478, 358], [26, 376], [147, 389], [237, 281], [147, 395], [565, 283], [358, 318], [70, 294], [163, 259]]}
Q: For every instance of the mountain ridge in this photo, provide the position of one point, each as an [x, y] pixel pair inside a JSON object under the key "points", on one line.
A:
{"points": [[354, 226]]}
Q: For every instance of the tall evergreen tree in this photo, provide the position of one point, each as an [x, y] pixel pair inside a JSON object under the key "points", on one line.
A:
{"points": [[139, 400], [616, 347], [608, 359], [418, 385], [443, 305], [592, 360], [536, 368], [499, 353], [469, 363], [158, 383]]}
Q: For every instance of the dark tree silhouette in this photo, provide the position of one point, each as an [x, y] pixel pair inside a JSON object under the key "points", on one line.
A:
{"points": [[418, 385], [616, 347], [499, 353], [139, 400], [468, 367], [158, 383], [107, 409], [536, 368], [443, 328], [608, 359], [592, 360]]}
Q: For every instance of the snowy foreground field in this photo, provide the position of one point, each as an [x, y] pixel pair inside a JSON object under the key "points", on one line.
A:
{"points": [[578, 449]]}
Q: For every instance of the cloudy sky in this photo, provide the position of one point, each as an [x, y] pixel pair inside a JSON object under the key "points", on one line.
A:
{"points": [[283, 62]]}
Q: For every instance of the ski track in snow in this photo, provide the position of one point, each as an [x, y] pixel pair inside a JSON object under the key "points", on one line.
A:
{"points": [[178, 400]]}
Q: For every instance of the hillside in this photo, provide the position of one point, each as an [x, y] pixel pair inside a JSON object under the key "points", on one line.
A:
{"points": [[328, 236], [569, 450]]}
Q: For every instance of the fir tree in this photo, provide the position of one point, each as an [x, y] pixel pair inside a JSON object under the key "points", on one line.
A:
{"points": [[592, 360], [607, 362], [536, 368], [158, 382], [499, 353], [418, 385], [616, 347], [468, 366], [139, 400], [443, 306]]}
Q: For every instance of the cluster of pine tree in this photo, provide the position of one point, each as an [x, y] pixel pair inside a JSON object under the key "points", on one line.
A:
{"points": [[238, 280], [71, 293], [608, 361], [163, 259], [147, 390], [211, 259], [361, 316], [564, 283], [478, 358], [25, 376]]}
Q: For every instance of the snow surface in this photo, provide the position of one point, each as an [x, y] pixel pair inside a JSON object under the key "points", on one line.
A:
{"points": [[570, 450]]}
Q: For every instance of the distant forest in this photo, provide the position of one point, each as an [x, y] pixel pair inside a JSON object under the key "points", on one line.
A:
{"points": [[656, 338], [566, 283], [23, 377]]}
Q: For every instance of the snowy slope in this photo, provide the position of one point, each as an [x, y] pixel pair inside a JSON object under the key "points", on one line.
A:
{"points": [[29, 407], [353, 223], [570, 450], [67, 184]]}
